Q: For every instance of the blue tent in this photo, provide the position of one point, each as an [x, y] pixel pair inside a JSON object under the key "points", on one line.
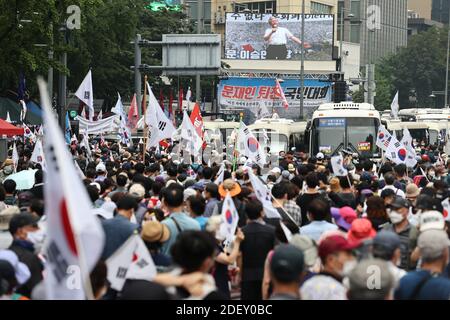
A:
{"points": [[34, 112]]}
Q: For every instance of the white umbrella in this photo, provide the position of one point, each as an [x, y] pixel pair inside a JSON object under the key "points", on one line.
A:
{"points": [[24, 179]]}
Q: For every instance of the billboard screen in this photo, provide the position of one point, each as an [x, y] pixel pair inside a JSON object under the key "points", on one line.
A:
{"points": [[262, 36], [258, 95]]}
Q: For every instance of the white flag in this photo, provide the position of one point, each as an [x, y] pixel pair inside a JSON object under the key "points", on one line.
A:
{"points": [[75, 237], [23, 111], [142, 266], [248, 146], [161, 126], [118, 108], [38, 154], [286, 231], [383, 138], [396, 151], [220, 174], [395, 106], [189, 134], [15, 157], [100, 115], [188, 95], [263, 194], [119, 262], [86, 94], [230, 218], [8, 118], [85, 143], [411, 153], [337, 162], [28, 133]]}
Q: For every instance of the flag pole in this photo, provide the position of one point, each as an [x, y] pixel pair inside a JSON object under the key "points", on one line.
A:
{"points": [[145, 122], [282, 208]]}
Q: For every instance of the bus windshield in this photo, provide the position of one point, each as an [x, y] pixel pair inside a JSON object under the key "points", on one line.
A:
{"points": [[331, 135], [277, 142]]}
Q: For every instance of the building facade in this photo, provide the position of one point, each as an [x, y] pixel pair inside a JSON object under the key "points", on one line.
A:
{"points": [[440, 11], [379, 26], [420, 9]]}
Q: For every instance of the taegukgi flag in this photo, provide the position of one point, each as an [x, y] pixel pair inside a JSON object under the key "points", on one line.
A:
{"points": [[337, 163], [86, 94], [249, 146], [75, 237]]}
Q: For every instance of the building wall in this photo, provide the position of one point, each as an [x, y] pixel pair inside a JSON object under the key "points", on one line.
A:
{"points": [[440, 10], [351, 59], [421, 7], [377, 41]]}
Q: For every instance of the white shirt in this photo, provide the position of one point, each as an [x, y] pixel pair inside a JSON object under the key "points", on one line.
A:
{"points": [[279, 37], [398, 192]]}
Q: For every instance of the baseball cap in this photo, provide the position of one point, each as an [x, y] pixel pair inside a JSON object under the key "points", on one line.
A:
{"points": [[426, 202], [137, 190], [276, 170], [320, 156], [106, 211], [308, 247], [344, 217], [360, 276], [21, 271], [287, 263], [335, 243], [385, 243], [100, 167], [21, 220], [399, 203], [361, 230], [286, 174], [432, 243], [431, 220]]}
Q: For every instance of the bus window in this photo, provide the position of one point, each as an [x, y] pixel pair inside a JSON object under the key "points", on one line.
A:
{"points": [[297, 141], [362, 134], [328, 135]]}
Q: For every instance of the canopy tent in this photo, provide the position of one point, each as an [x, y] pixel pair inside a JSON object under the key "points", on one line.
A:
{"points": [[9, 130], [34, 112]]}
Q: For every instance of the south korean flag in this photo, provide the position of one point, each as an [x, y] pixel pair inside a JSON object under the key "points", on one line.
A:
{"points": [[337, 163]]}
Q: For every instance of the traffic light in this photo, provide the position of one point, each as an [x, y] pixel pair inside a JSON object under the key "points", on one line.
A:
{"points": [[340, 91]]}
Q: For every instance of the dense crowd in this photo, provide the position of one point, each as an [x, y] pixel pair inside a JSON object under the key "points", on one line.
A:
{"points": [[379, 233]]}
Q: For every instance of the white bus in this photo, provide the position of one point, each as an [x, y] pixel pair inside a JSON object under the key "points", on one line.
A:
{"points": [[282, 134], [346, 125]]}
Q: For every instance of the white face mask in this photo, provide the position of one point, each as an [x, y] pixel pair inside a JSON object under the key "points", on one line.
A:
{"points": [[395, 217], [432, 173], [348, 267], [37, 238]]}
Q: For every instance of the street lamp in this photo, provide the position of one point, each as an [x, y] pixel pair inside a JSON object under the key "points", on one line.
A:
{"points": [[349, 16]]}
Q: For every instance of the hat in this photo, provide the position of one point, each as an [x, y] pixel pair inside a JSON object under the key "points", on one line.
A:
{"points": [[137, 190], [344, 217], [361, 230], [291, 167], [320, 156], [188, 193], [285, 174], [412, 191], [432, 243], [97, 185], [106, 211], [20, 269], [308, 247], [155, 231], [287, 263], [21, 220], [385, 243], [399, 203], [198, 186], [229, 185], [362, 274], [6, 216], [425, 202], [333, 244], [431, 220], [425, 157], [276, 170], [8, 170], [100, 167]]}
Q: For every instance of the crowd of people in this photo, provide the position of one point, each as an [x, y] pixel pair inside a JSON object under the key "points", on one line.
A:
{"points": [[379, 233]]}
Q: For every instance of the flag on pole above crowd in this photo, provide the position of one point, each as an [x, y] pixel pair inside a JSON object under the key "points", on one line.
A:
{"points": [[86, 94], [249, 146], [396, 151], [394, 106], [383, 138], [337, 163], [133, 114], [188, 95], [230, 218], [160, 126], [8, 118], [15, 157], [75, 237], [100, 115], [130, 261], [190, 136], [197, 120], [124, 130], [220, 174], [38, 154], [263, 194], [28, 134], [280, 94], [410, 152]]}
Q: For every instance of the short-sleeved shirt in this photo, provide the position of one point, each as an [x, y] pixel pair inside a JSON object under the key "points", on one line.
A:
{"points": [[436, 287], [279, 37], [184, 221], [315, 229]]}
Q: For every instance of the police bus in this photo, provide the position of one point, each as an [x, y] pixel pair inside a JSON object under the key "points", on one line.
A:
{"points": [[335, 127]]}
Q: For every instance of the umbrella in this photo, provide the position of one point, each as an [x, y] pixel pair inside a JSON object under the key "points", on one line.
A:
{"points": [[24, 179]]}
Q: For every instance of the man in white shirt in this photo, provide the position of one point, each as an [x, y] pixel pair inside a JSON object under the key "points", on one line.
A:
{"points": [[389, 179], [277, 37]]}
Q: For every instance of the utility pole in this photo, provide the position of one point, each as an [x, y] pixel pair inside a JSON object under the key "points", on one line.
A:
{"points": [[137, 71], [302, 63], [198, 94]]}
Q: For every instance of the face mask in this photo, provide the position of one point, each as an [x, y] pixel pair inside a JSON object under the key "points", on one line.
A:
{"points": [[348, 267], [37, 238], [432, 174], [395, 217]]}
